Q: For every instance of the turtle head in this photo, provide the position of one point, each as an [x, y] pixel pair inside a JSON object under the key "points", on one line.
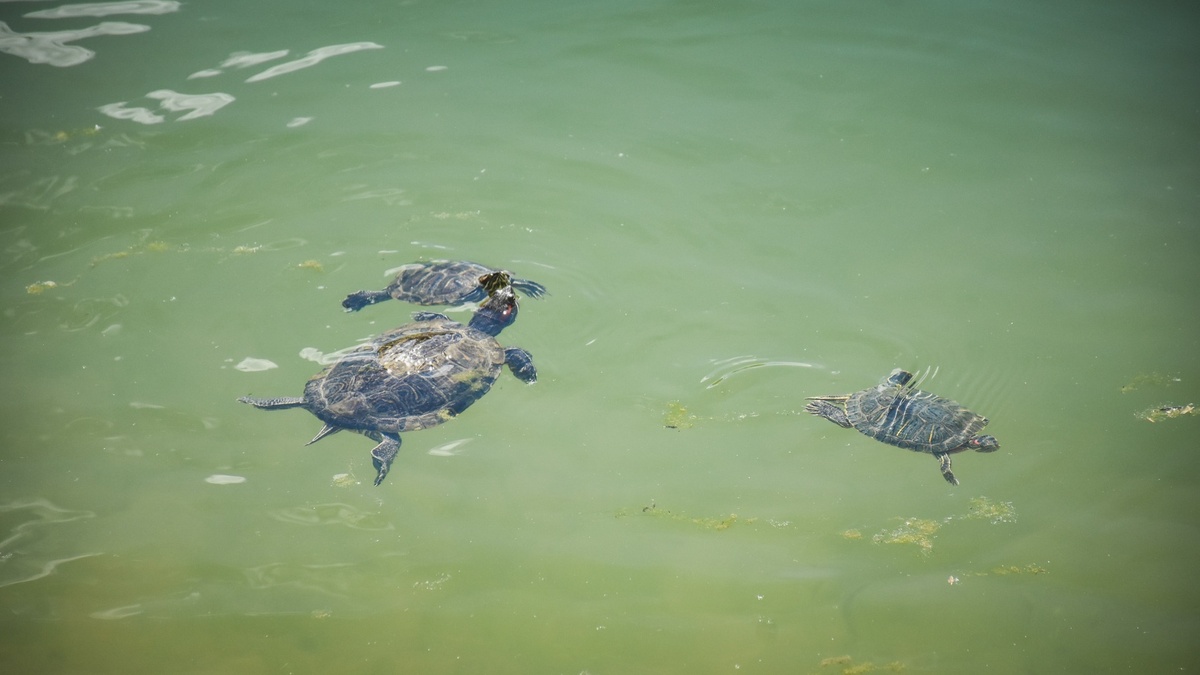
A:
{"points": [[984, 443], [495, 281], [497, 312], [898, 378]]}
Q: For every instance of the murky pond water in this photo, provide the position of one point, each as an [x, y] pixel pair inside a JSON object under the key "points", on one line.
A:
{"points": [[734, 206]]}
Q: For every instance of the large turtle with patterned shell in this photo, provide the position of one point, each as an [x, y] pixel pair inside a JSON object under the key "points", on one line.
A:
{"points": [[442, 282], [897, 413], [412, 377]]}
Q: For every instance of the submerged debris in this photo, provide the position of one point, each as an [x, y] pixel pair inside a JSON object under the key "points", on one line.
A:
{"points": [[1149, 380], [716, 524], [1167, 412], [918, 531], [39, 287], [848, 665], [921, 532], [1032, 568], [677, 416], [983, 508], [140, 249]]}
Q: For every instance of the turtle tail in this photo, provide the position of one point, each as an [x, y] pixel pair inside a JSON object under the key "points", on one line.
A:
{"points": [[325, 431]]}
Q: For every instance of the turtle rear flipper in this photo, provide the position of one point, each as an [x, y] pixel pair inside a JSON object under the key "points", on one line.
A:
{"points": [[356, 301], [829, 411], [520, 362], [382, 456], [946, 472]]}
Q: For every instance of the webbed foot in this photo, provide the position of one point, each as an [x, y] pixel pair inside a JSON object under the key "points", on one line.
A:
{"points": [[382, 456], [356, 301], [521, 364], [946, 472], [829, 411], [530, 288]]}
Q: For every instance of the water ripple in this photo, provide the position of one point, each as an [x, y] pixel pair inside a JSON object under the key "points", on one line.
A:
{"points": [[40, 514], [731, 367], [333, 579], [332, 514]]}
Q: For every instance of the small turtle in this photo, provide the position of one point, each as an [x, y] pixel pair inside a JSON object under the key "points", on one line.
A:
{"points": [[412, 377], [897, 413], [442, 282]]}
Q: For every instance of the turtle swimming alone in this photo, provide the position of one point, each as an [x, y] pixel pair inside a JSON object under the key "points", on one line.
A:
{"points": [[412, 377], [442, 282], [899, 414]]}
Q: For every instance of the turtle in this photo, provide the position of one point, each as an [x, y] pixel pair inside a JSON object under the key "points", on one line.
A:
{"points": [[442, 282], [412, 377], [897, 413]]}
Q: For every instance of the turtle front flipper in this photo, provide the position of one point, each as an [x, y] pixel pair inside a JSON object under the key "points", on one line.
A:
{"points": [[829, 411], [530, 288], [382, 456], [356, 301], [521, 364], [280, 403], [946, 472]]}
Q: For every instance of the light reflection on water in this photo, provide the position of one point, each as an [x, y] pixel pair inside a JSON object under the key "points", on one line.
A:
{"points": [[51, 48], [733, 208]]}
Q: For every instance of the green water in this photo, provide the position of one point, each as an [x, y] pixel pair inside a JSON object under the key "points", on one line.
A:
{"points": [[734, 205]]}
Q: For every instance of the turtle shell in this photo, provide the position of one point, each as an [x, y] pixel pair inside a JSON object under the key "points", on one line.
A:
{"points": [[449, 282], [412, 377], [910, 418]]}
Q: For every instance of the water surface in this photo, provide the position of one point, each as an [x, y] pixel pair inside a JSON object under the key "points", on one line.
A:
{"points": [[733, 205]]}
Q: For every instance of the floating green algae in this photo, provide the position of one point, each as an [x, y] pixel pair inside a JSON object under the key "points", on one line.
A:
{"points": [[983, 508], [1154, 379], [716, 524], [921, 532], [917, 531], [1166, 412], [847, 665], [677, 416]]}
